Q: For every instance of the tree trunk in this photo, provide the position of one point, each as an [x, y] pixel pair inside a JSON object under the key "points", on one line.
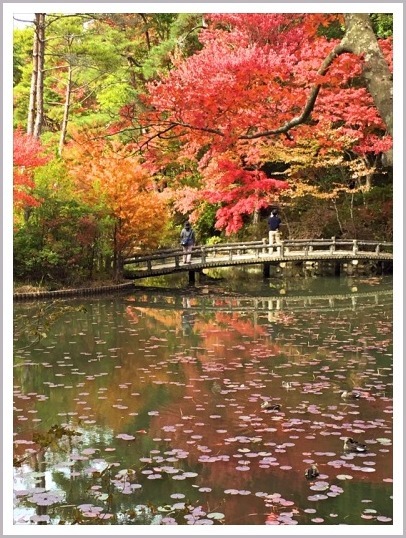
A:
{"points": [[39, 101], [360, 39], [34, 75], [65, 120]]}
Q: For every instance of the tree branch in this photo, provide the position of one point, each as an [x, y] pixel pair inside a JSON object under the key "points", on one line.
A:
{"points": [[283, 129], [309, 106]]}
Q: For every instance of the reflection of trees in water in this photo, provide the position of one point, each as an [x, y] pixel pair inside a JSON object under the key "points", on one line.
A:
{"points": [[34, 322], [223, 367]]}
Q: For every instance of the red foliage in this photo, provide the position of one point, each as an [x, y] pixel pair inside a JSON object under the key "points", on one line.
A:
{"points": [[241, 193], [253, 74], [28, 154]]}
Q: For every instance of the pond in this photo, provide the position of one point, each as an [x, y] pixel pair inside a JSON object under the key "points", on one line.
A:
{"points": [[206, 405]]}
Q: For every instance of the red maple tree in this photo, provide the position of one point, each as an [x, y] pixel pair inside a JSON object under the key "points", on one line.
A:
{"points": [[230, 100]]}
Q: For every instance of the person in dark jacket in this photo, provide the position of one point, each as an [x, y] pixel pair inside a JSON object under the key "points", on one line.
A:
{"points": [[187, 240], [274, 223]]}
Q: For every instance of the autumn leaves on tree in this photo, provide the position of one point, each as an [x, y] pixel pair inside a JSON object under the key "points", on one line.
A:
{"points": [[216, 116], [264, 89]]}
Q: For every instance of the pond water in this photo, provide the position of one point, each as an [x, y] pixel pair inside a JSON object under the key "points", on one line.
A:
{"points": [[148, 407]]}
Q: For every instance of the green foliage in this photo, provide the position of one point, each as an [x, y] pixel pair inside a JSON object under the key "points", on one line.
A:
{"points": [[113, 96], [59, 241], [22, 48], [334, 30], [182, 42], [207, 219], [382, 23], [214, 240]]}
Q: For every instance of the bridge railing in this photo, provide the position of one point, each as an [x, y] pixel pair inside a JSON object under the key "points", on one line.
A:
{"points": [[260, 249]]}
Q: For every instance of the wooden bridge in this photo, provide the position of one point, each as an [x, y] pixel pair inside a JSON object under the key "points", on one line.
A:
{"points": [[167, 262]]}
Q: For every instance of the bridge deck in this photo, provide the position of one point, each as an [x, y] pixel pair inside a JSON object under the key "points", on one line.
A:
{"points": [[257, 252]]}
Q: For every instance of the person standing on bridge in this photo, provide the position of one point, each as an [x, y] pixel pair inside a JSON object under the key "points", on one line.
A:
{"points": [[187, 240], [274, 223]]}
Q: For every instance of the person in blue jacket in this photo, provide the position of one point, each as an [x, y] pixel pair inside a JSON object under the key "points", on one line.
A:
{"points": [[187, 240], [274, 223]]}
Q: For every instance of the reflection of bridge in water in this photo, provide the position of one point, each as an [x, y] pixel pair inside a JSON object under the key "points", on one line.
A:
{"points": [[231, 303]]}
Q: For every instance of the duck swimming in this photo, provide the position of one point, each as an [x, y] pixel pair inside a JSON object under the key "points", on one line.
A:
{"points": [[270, 407], [346, 394], [312, 472], [353, 445]]}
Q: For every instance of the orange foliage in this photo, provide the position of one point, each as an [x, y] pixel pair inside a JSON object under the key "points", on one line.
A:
{"points": [[118, 186]]}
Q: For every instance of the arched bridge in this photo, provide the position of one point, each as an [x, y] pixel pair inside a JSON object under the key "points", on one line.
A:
{"points": [[167, 262]]}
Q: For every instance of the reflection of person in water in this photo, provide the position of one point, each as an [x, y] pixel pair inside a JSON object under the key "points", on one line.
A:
{"points": [[188, 321], [274, 307]]}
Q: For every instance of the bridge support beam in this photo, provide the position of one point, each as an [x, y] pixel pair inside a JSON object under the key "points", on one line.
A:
{"points": [[192, 277], [266, 270], [337, 268]]}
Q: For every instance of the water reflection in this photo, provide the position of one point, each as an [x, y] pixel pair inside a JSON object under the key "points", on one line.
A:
{"points": [[166, 392]]}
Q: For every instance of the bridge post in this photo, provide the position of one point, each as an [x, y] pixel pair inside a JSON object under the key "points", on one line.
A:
{"points": [[266, 270], [203, 250], [378, 249], [192, 277], [333, 245], [355, 246]]}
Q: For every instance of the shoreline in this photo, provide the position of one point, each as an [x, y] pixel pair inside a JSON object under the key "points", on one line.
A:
{"points": [[67, 292]]}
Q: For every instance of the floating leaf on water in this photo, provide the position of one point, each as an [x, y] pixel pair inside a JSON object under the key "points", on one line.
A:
{"points": [[216, 515], [168, 521], [319, 487], [384, 519], [102, 496], [165, 508], [384, 441], [125, 436], [317, 497], [344, 477], [178, 506], [36, 518]]}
